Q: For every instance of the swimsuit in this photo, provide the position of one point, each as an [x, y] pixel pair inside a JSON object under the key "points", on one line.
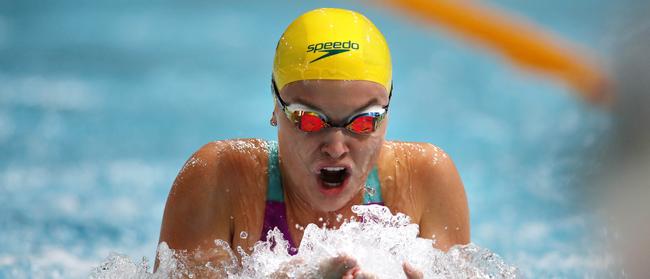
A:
{"points": [[275, 213]]}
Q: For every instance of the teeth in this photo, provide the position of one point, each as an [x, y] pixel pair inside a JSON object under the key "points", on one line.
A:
{"points": [[334, 168], [331, 184]]}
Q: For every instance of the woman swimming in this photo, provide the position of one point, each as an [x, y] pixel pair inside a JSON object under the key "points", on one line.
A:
{"points": [[332, 85]]}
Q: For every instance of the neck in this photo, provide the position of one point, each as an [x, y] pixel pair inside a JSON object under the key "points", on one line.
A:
{"points": [[301, 213]]}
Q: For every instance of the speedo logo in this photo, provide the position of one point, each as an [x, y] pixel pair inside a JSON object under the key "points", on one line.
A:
{"points": [[331, 48]]}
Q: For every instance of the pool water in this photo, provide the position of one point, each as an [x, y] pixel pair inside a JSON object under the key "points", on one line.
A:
{"points": [[102, 102]]}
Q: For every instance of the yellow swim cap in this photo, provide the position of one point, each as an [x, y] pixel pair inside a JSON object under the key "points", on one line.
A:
{"points": [[334, 44]]}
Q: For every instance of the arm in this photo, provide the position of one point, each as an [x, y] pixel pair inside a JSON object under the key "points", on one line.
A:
{"points": [[445, 214], [198, 208]]}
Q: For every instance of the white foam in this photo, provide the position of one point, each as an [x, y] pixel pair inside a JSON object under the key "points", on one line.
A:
{"points": [[380, 242], [55, 262], [48, 93], [533, 232], [7, 260], [136, 173]]}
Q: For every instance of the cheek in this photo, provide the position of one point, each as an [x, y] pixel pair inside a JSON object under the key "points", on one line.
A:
{"points": [[296, 147], [367, 151]]}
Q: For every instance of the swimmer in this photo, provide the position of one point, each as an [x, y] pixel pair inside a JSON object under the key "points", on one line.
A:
{"points": [[332, 86]]}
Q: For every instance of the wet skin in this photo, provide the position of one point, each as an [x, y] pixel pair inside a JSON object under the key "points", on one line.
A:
{"points": [[221, 191]]}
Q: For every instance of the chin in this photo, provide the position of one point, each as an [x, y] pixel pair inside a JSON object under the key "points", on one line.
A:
{"points": [[328, 202], [329, 207]]}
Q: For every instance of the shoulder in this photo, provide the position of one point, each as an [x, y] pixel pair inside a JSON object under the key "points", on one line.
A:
{"points": [[215, 175], [235, 150], [428, 163], [437, 189], [219, 165], [426, 160], [219, 159], [427, 169]]}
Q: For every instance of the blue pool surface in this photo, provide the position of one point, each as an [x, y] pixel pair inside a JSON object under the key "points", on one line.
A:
{"points": [[101, 103]]}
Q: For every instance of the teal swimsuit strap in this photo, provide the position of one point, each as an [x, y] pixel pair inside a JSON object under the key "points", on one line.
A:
{"points": [[372, 191], [274, 192]]}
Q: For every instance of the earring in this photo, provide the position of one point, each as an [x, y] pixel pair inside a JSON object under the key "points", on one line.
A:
{"points": [[273, 122]]}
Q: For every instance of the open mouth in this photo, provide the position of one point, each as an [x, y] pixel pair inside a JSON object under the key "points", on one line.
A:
{"points": [[333, 177]]}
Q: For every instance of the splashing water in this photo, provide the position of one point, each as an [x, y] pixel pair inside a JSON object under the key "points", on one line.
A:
{"points": [[378, 240]]}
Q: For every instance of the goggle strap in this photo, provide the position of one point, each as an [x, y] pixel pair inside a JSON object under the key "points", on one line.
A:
{"points": [[276, 92]]}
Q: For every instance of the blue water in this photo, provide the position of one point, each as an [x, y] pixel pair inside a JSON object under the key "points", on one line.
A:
{"points": [[102, 102]]}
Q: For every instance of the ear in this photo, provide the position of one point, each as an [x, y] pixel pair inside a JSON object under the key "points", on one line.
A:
{"points": [[274, 120]]}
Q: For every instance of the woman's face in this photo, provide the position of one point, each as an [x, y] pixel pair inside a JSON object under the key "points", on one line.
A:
{"points": [[328, 168]]}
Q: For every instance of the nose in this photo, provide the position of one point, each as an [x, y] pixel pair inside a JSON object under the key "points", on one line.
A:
{"points": [[334, 145]]}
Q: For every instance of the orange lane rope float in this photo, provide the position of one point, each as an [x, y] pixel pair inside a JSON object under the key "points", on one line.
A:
{"points": [[521, 42]]}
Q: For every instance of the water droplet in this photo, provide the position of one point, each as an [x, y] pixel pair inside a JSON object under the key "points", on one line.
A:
{"points": [[445, 228], [243, 235], [320, 219], [371, 191], [339, 217], [457, 228], [297, 226], [227, 190], [232, 217]]}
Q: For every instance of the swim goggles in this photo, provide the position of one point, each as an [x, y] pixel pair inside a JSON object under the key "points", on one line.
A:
{"points": [[309, 120]]}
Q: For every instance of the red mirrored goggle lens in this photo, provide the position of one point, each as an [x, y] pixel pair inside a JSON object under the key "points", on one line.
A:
{"points": [[363, 124], [310, 122]]}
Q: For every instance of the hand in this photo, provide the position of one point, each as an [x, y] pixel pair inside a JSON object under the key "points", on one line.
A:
{"points": [[342, 266], [359, 274], [346, 267], [411, 272]]}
